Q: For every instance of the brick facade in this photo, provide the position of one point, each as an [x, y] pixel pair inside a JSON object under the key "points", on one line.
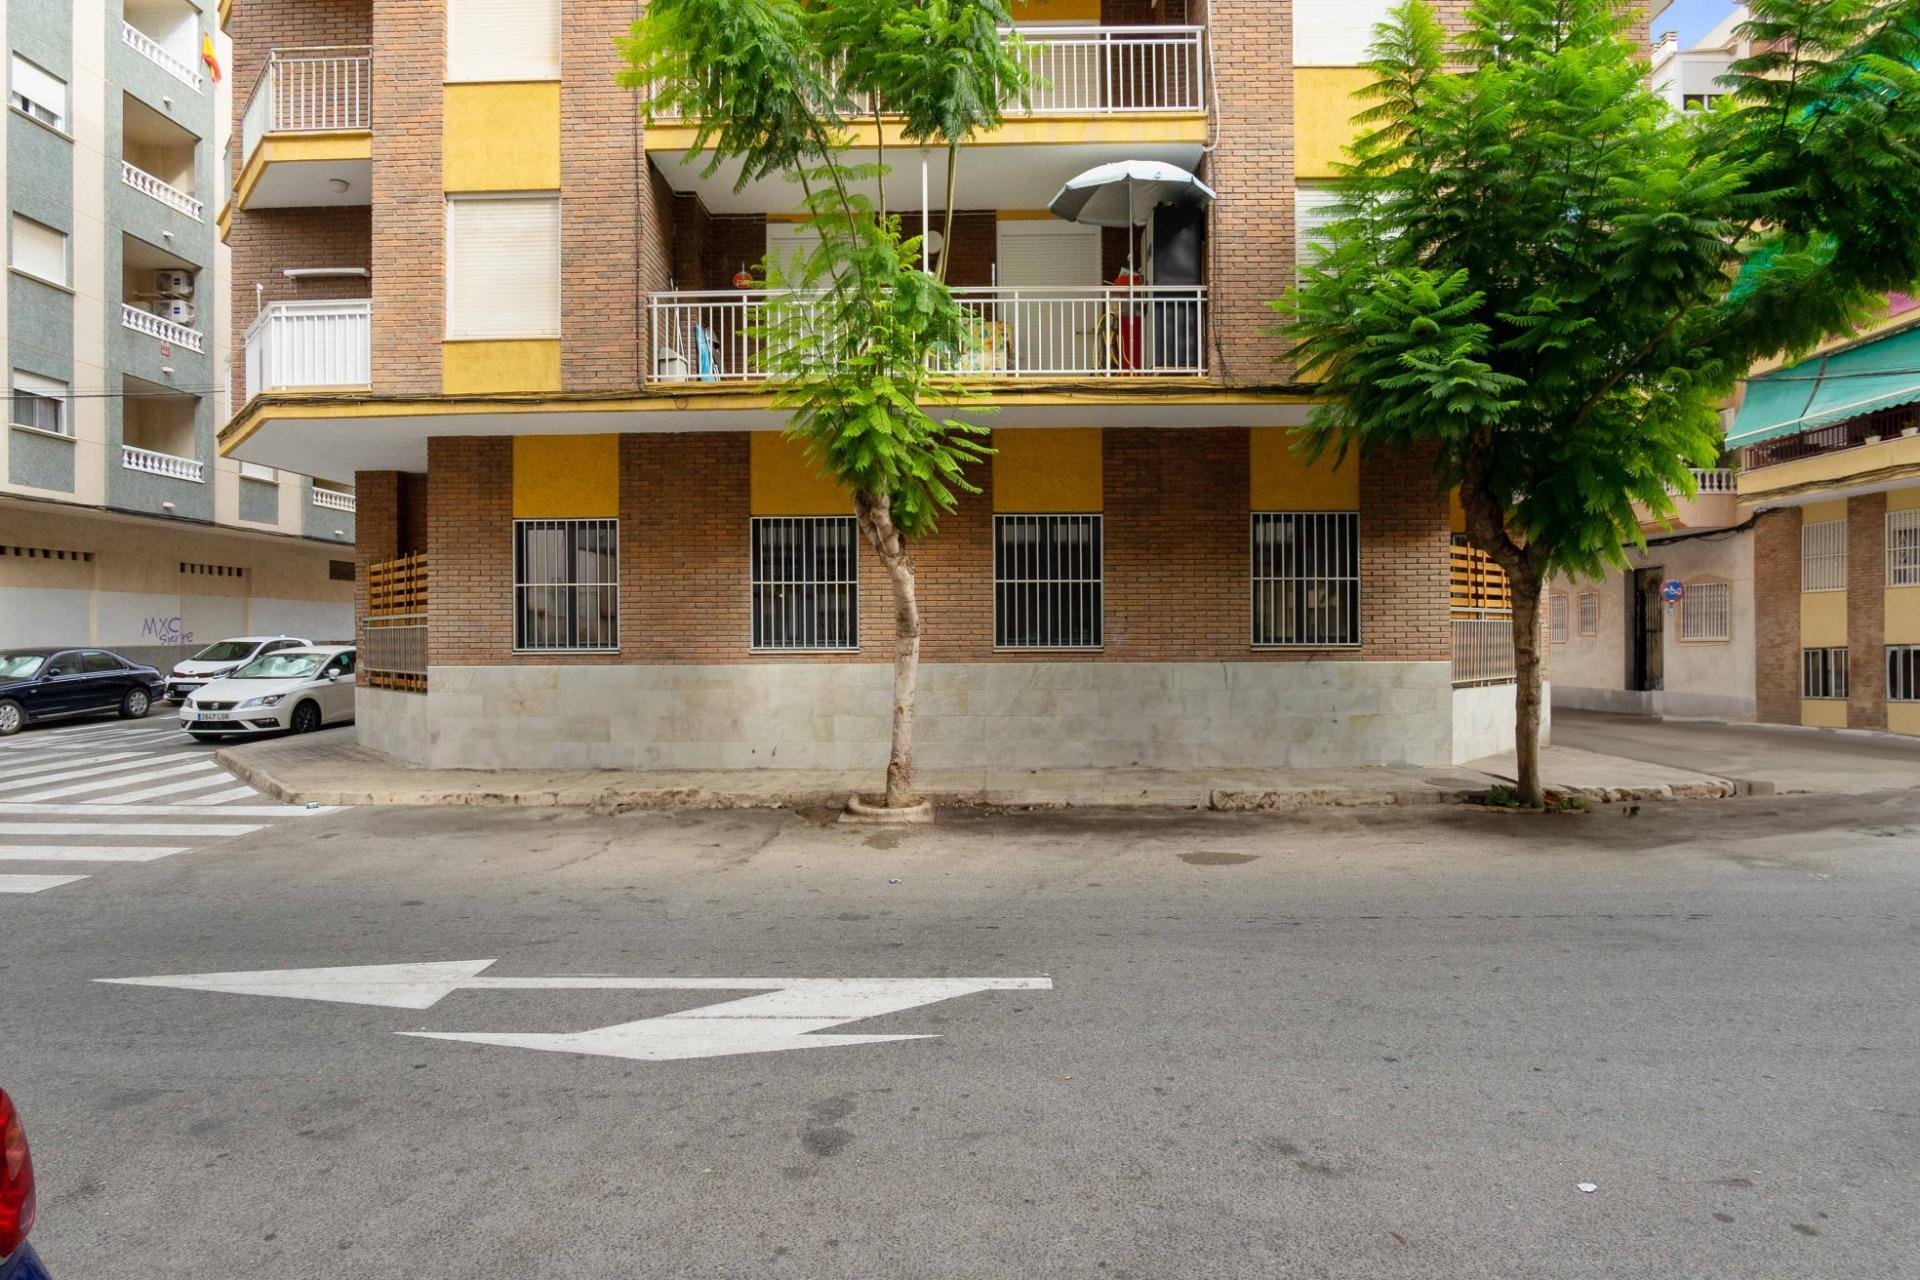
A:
{"points": [[1776, 615], [469, 549], [604, 191], [276, 239], [1867, 611], [257, 29], [409, 209], [376, 533]]}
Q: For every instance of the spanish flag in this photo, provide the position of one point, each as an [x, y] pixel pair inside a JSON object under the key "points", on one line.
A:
{"points": [[208, 56]]}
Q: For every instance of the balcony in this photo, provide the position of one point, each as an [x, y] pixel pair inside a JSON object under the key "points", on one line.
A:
{"points": [[333, 499], [162, 464], [140, 320], [145, 183], [306, 137], [311, 346], [1096, 332], [172, 50]]}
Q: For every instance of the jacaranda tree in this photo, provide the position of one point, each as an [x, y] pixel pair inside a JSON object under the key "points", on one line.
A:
{"points": [[1543, 274]]}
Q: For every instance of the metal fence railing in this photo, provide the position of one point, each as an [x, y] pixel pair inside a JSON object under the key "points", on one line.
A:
{"points": [[318, 90], [393, 652], [1483, 649]]}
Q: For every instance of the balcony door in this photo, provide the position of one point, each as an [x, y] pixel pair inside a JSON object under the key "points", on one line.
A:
{"points": [[1053, 324]]}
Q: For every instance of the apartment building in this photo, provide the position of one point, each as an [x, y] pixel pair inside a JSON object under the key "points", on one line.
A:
{"points": [[120, 525], [1829, 452], [478, 285]]}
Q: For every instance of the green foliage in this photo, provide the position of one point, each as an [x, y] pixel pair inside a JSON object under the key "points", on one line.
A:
{"points": [[851, 340], [1540, 270]]}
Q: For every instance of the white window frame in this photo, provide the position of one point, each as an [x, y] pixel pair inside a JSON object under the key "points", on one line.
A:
{"points": [[1903, 548], [1706, 612], [25, 100], [801, 574], [1284, 575], [1092, 587], [570, 640], [1312, 202], [1335, 33], [504, 75], [1823, 556], [61, 281], [1903, 673], [45, 390], [1588, 614], [452, 266], [1557, 617], [1823, 678]]}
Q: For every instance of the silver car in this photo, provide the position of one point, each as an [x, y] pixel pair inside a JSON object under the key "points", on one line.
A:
{"points": [[287, 691]]}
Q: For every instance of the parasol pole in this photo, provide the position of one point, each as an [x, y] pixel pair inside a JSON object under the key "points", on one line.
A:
{"points": [[926, 219]]}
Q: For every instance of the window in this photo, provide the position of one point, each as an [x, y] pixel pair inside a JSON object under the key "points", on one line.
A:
{"points": [[1823, 556], [806, 582], [95, 663], [1589, 613], [1903, 673], [339, 571], [1335, 33], [1313, 209], [254, 471], [566, 584], [1557, 619], [38, 93], [1046, 582], [40, 403], [1823, 673], [1903, 548], [39, 250], [1306, 578], [1706, 611], [342, 665], [503, 267], [503, 40]]}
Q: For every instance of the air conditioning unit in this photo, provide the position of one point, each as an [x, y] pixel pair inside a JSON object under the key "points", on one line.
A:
{"points": [[171, 282], [178, 310]]}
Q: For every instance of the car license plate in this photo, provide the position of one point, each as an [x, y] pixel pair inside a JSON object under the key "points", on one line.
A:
{"points": [[214, 715]]}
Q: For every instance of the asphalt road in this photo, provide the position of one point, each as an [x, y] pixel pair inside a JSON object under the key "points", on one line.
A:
{"points": [[1355, 1044]]}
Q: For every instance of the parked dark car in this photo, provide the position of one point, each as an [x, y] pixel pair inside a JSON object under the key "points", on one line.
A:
{"points": [[17, 1258], [50, 684]]}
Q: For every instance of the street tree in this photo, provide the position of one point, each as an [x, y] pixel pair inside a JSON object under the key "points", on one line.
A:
{"points": [[857, 328], [1541, 274]]}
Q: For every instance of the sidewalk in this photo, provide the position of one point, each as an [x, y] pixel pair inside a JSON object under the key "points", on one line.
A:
{"points": [[333, 768]]}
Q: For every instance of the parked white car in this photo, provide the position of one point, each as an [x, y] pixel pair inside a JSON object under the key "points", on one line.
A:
{"points": [[287, 691], [222, 659]]}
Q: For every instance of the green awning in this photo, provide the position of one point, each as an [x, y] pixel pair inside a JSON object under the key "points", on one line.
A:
{"points": [[1881, 374]]}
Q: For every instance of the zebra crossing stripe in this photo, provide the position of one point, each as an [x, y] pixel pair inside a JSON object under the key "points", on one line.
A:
{"points": [[139, 760], [126, 828], [122, 780], [96, 809], [88, 852], [227, 797], [219, 779], [34, 884], [123, 757]]}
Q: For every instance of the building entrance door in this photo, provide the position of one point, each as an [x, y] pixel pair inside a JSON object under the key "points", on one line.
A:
{"points": [[1649, 630]]}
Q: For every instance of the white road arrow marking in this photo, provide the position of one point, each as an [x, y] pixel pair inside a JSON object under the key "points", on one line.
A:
{"points": [[786, 1015]]}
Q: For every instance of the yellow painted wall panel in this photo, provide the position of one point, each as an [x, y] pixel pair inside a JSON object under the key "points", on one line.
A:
{"points": [[1042, 470], [784, 482], [1823, 619], [1034, 13], [1904, 499], [1903, 615], [1823, 713], [1281, 481], [501, 137], [1820, 512], [493, 366], [1903, 717], [1325, 101], [566, 477]]}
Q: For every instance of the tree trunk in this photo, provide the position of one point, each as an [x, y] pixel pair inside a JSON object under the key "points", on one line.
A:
{"points": [[876, 521], [1526, 693]]}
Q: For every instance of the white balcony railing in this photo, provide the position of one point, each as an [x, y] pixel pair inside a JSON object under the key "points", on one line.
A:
{"points": [[309, 346], [166, 193], [161, 464], [140, 320], [333, 499], [180, 68], [1713, 480], [1093, 332], [1104, 71], [309, 91], [1483, 649]]}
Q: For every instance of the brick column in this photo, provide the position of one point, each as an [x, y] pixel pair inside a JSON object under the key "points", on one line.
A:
{"points": [[376, 528], [1867, 611], [603, 189], [470, 550], [409, 208], [684, 548], [1405, 544], [1776, 615]]}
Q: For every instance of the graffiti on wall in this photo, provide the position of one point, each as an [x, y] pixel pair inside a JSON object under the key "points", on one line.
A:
{"points": [[156, 630]]}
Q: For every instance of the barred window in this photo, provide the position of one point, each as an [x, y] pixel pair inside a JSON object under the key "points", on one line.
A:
{"points": [[1706, 611], [1903, 673], [1903, 548], [1823, 673], [566, 584], [1823, 556], [1047, 589], [1556, 618], [1306, 578], [806, 582], [1589, 613]]}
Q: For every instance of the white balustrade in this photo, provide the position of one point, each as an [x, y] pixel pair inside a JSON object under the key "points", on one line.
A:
{"points": [[166, 193], [309, 91], [333, 499], [180, 68], [156, 463], [310, 345], [1092, 332], [140, 320]]}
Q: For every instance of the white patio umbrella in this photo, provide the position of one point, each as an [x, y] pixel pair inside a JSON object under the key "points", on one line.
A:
{"points": [[1123, 193]]}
